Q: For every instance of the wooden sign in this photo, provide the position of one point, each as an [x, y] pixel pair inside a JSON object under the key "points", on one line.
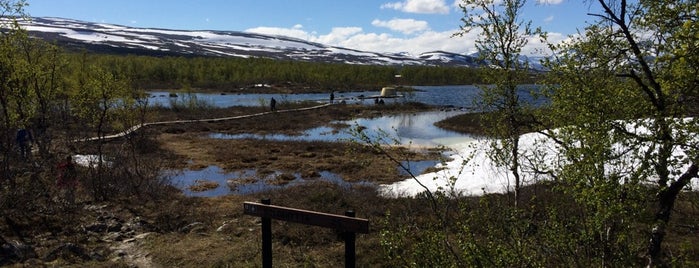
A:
{"points": [[338, 222]]}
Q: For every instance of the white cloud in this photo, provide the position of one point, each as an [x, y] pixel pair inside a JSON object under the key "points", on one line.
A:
{"points": [[548, 19], [549, 2], [406, 26], [337, 35], [419, 6], [423, 41], [356, 38]]}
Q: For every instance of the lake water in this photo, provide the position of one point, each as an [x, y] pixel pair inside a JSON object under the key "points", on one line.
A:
{"points": [[459, 96]]}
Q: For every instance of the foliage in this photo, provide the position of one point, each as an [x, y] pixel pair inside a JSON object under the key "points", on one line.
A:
{"points": [[232, 74], [60, 100], [621, 96], [501, 39], [631, 65]]}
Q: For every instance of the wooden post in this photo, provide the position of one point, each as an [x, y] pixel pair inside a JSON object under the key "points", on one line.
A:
{"points": [[348, 224], [266, 238], [350, 238]]}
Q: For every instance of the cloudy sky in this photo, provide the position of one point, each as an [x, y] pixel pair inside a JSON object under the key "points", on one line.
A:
{"points": [[412, 26]]}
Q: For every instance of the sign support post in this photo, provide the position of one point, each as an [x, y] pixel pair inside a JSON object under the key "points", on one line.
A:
{"points": [[348, 224]]}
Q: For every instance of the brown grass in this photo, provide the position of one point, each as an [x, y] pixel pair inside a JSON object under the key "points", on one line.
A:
{"points": [[225, 237], [232, 238], [194, 149]]}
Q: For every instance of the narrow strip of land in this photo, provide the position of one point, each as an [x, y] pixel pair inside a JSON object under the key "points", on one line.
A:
{"points": [[139, 126]]}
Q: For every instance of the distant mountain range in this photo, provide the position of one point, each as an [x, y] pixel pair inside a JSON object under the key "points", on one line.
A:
{"points": [[117, 39]]}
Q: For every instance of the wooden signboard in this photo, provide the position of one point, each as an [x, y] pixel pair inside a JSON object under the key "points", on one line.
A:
{"points": [[348, 224], [337, 222]]}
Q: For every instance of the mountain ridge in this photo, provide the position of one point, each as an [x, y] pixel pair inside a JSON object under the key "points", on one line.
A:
{"points": [[118, 39]]}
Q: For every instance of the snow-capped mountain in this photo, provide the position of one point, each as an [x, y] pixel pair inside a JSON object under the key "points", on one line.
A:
{"points": [[110, 38]]}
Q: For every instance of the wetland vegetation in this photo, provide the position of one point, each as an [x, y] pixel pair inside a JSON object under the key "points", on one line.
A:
{"points": [[612, 196]]}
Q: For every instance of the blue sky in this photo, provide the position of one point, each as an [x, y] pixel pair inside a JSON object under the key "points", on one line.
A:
{"points": [[413, 26]]}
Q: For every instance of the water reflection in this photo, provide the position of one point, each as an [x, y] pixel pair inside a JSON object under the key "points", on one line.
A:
{"points": [[416, 129], [163, 98], [416, 167], [244, 182], [459, 96]]}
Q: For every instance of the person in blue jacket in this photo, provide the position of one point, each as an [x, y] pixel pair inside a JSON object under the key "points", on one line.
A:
{"points": [[24, 141]]}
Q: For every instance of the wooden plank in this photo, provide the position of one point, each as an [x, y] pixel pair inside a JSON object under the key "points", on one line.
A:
{"points": [[338, 222]]}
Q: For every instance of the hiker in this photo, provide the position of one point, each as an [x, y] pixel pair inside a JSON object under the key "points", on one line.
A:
{"points": [[273, 104], [67, 180], [332, 97], [24, 141]]}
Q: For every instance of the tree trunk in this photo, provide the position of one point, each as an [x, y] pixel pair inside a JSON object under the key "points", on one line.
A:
{"points": [[666, 202]]}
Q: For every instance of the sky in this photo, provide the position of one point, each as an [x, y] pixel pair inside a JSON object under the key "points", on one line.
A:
{"points": [[413, 26]]}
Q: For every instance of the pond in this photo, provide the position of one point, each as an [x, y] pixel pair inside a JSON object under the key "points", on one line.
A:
{"points": [[415, 129], [249, 181], [245, 182]]}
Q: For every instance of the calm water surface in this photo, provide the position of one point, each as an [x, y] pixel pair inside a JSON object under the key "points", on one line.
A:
{"points": [[414, 129], [406, 129], [242, 182], [459, 96]]}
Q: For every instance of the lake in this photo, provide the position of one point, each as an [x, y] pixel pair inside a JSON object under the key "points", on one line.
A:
{"points": [[458, 96]]}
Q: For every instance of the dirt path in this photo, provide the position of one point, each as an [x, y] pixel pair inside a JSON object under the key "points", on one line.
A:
{"points": [[137, 127]]}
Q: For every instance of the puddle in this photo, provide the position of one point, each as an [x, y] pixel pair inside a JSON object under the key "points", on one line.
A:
{"points": [[415, 129], [245, 182], [417, 167]]}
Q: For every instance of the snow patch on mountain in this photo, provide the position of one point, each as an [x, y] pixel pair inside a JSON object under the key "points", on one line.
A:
{"points": [[112, 38]]}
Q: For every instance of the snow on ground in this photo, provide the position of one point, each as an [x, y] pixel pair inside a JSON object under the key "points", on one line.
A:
{"points": [[471, 172], [89, 160]]}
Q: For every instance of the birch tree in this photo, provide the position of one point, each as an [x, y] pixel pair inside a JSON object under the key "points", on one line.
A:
{"points": [[502, 34], [626, 87]]}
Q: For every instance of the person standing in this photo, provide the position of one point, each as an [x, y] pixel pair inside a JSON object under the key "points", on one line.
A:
{"points": [[332, 97], [24, 141], [273, 104]]}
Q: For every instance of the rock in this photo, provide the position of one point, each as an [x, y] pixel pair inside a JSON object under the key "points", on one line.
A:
{"points": [[67, 251], [34, 262], [142, 236], [222, 228], [138, 224], [104, 224], [96, 227], [14, 252], [113, 236], [192, 227], [94, 207], [114, 226]]}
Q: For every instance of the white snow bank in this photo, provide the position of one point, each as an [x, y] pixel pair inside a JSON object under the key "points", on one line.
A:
{"points": [[470, 171]]}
